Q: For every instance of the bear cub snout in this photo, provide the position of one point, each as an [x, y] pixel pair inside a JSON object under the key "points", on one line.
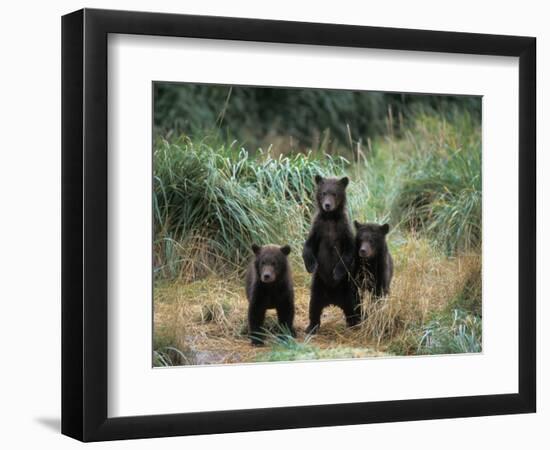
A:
{"points": [[269, 286]]}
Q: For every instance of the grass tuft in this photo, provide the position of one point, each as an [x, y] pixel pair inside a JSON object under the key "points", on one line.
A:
{"points": [[211, 203]]}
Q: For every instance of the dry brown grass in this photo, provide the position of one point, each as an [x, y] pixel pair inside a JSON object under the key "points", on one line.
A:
{"points": [[192, 258], [206, 319], [425, 283]]}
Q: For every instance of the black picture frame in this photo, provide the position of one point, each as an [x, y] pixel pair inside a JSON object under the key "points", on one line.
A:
{"points": [[84, 224]]}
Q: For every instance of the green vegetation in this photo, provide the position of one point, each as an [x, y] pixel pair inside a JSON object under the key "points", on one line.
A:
{"points": [[292, 350], [441, 189], [462, 334], [301, 118], [212, 203], [214, 197]]}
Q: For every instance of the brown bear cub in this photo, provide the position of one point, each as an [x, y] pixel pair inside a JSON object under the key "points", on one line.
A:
{"points": [[268, 286], [329, 254], [375, 264]]}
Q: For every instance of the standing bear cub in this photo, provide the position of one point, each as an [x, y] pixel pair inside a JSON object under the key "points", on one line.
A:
{"points": [[268, 286], [375, 266], [329, 254]]}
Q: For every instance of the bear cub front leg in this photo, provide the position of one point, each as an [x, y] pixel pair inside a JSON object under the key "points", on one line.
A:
{"points": [[308, 254], [256, 317]]}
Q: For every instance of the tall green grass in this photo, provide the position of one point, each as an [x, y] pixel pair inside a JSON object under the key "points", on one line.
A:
{"points": [[440, 189], [213, 200], [456, 333]]}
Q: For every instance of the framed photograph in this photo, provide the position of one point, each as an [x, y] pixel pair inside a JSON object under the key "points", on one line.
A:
{"points": [[273, 224]]}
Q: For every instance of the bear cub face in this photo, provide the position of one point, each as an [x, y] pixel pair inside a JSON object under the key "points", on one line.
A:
{"points": [[331, 193], [370, 239], [270, 262]]}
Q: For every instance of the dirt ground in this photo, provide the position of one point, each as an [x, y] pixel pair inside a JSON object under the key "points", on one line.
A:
{"points": [[205, 320]]}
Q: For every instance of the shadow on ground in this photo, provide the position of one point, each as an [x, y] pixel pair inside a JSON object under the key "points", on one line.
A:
{"points": [[53, 423]]}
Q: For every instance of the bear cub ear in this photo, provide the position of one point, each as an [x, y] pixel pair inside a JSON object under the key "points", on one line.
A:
{"points": [[356, 224], [285, 249], [256, 249], [344, 181], [318, 179], [385, 228]]}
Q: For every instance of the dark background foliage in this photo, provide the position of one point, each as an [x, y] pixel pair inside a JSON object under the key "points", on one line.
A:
{"points": [[310, 117]]}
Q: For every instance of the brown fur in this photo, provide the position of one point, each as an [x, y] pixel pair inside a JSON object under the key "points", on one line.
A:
{"points": [[269, 286], [329, 254], [375, 264]]}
